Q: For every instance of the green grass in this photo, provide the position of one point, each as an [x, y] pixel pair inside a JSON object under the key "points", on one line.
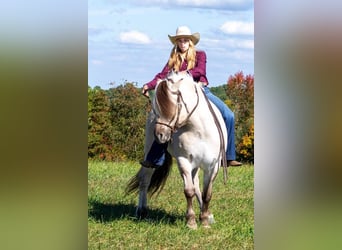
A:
{"points": [[112, 225]]}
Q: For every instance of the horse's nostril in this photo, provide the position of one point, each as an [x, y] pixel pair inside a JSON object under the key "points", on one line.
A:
{"points": [[159, 136]]}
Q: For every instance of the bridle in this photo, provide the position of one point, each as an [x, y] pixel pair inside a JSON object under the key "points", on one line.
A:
{"points": [[180, 103]]}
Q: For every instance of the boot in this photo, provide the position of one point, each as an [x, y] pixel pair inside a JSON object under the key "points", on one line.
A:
{"points": [[233, 163]]}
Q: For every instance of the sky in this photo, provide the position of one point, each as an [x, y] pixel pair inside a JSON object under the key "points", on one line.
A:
{"points": [[128, 40]]}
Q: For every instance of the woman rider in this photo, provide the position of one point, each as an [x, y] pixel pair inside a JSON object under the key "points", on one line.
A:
{"points": [[185, 57]]}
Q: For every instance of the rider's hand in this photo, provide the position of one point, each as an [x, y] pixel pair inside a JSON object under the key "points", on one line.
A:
{"points": [[145, 90]]}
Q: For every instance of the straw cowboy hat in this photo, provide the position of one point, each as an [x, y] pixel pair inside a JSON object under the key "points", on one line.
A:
{"points": [[184, 32]]}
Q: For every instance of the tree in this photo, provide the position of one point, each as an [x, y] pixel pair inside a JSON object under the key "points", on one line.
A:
{"points": [[240, 93], [100, 136], [128, 111], [220, 91]]}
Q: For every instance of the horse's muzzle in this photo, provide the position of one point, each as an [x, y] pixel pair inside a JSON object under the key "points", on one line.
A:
{"points": [[162, 133]]}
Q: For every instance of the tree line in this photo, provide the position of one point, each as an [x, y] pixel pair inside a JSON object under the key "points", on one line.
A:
{"points": [[117, 117]]}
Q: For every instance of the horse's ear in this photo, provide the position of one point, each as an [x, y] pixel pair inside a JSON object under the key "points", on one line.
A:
{"points": [[159, 81]]}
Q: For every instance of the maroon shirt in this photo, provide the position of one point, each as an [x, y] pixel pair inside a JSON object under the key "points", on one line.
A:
{"points": [[198, 72]]}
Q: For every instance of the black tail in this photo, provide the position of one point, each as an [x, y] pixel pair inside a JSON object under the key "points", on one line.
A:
{"points": [[133, 184], [160, 175], [158, 178]]}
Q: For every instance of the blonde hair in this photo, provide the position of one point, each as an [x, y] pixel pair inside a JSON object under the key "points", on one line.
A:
{"points": [[175, 60]]}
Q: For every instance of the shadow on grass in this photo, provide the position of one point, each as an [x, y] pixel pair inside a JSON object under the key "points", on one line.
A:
{"points": [[110, 212]]}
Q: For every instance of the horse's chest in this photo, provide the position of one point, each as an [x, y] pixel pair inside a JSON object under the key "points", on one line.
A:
{"points": [[186, 145]]}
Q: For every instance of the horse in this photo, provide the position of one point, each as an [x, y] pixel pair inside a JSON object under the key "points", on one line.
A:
{"points": [[194, 129]]}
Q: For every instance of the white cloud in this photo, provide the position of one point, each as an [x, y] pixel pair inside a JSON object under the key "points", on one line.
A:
{"points": [[93, 31], [214, 4], [250, 44], [134, 37], [221, 45], [240, 56], [245, 44], [238, 28], [98, 12], [96, 62]]}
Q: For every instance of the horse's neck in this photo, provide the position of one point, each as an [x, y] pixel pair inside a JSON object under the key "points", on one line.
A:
{"points": [[201, 115]]}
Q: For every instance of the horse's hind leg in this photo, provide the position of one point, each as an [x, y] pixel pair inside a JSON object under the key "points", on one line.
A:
{"points": [[145, 175], [198, 192]]}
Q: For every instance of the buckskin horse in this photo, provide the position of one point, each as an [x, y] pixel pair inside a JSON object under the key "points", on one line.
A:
{"points": [[195, 131]]}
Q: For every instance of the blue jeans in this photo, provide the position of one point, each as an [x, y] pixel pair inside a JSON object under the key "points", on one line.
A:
{"points": [[156, 154]]}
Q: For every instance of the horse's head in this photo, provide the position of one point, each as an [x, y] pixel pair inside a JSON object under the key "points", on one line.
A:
{"points": [[175, 79], [165, 109], [169, 99]]}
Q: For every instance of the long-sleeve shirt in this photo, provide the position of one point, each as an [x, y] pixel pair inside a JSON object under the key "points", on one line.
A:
{"points": [[198, 72]]}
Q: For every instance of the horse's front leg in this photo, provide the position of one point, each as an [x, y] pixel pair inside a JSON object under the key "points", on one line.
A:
{"points": [[189, 192], [209, 176]]}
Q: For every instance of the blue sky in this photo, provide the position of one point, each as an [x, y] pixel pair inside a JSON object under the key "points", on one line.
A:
{"points": [[128, 40]]}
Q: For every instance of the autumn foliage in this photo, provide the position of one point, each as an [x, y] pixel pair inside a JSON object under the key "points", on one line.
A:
{"points": [[240, 98]]}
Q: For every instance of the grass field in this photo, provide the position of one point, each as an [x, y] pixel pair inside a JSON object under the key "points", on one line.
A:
{"points": [[112, 225]]}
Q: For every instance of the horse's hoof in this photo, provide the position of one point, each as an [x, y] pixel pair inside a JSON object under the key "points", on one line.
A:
{"points": [[206, 221], [211, 219], [192, 225], [191, 221], [141, 213]]}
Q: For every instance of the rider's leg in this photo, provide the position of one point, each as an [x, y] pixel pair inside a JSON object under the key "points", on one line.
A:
{"points": [[155, 156]]}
